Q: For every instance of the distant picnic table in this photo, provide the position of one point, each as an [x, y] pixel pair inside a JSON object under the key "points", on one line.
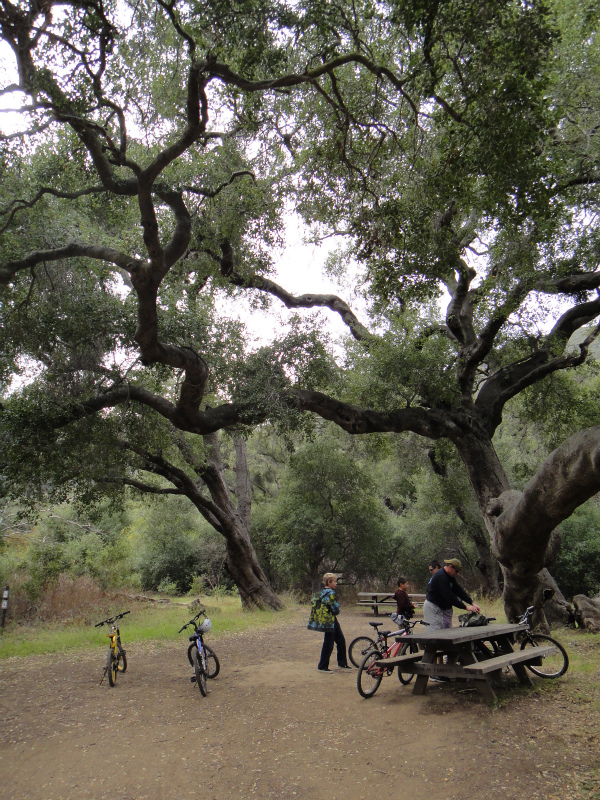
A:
{"points": [[384, 600]]}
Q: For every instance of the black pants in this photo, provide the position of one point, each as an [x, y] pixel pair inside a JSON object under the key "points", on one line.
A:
{"points": [[333, 636]]}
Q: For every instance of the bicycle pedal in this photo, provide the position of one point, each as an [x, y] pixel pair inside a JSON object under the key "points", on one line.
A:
{"points": [[193, 679]]}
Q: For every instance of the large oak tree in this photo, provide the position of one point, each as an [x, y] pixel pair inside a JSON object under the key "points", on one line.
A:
{"points": [[453, 145]]}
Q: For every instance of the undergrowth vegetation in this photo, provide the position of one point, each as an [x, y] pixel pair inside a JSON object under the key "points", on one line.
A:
{"points": [[148, 620]]}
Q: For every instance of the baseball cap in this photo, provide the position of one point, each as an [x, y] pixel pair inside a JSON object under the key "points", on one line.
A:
{"points": [[454, 562]]}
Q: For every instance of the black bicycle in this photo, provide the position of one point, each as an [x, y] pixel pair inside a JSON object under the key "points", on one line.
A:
{"points": [[202, 657], [116, 660], [552, 665]]}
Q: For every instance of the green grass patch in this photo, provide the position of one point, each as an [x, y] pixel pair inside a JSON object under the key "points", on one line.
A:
{"points": [[146, 622]]}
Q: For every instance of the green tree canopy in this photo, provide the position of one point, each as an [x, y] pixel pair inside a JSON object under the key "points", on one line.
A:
{"points": [[453, 145]]}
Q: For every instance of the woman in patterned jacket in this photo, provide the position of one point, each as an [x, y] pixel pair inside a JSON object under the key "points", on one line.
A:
{"points": [[323, 617]]}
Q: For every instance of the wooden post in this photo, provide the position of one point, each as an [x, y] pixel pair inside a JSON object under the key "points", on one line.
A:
{"points": [[4, 606]]}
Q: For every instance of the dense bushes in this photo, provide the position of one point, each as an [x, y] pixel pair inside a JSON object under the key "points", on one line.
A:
{"points": [[577, 567]]}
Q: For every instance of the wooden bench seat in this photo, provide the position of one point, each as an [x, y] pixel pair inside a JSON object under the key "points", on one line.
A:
{"points": [[532, 654], [409, 658], [385, 604], [371, 600]]}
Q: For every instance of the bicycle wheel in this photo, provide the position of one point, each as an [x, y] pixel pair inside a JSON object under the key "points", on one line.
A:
{"points": [[484, 650], [121, 660], [369, 675], [200, 672], [191, 649], [407, 647], [111, 668], [554, 664], [212, 662], [358, 649]]}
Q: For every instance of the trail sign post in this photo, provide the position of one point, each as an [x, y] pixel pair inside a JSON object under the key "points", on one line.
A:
{"points": [[4, 606]]}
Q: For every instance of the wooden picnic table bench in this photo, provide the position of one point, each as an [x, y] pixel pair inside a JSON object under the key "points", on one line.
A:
{"points": [[466, 661], [385, 600], [473, 655]]}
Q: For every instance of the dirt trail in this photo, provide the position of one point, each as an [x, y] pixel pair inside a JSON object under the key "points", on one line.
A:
{"points": [[273, 727]]}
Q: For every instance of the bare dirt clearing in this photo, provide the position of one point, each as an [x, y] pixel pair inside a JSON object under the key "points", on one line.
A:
{"points": [[273, 727]]}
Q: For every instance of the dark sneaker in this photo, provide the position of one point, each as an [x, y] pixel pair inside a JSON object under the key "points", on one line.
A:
{"points": [[324, 670], [439, 679], [346, 667]]}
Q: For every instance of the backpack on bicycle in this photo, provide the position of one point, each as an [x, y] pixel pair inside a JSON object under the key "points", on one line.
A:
{"points": [[472, 620]]}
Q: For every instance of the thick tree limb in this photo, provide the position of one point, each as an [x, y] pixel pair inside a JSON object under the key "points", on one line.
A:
{"points": [[228, 76], [524, 521], [571, 284], [506, 383], [459, 314], [147, 488], [182, 234], [575, 318], [331, 301], [71, 250], [158, 465], [432, 423], [21, 205]]}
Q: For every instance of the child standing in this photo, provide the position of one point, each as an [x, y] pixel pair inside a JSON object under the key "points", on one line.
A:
{"points": [[323, 617], [404, 606]]}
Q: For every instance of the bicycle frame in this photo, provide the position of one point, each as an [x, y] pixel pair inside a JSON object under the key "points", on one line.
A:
{"points": [[117, 659], [393, 649], [373, 667], [202, 658], [382, 639], [115, 638]]}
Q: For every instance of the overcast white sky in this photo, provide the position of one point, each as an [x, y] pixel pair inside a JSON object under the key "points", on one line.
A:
{"points": [[299, 270]]}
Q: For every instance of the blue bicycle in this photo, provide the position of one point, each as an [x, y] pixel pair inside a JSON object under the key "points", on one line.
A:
{"points": [[202, 657]]}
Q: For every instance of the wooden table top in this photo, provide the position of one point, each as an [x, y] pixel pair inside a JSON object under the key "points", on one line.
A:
{"points": [[452, 636], [385, 594]]}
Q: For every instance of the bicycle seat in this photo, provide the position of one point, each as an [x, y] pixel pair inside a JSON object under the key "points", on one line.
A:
{"points": [[384, 633], [375, 624]]}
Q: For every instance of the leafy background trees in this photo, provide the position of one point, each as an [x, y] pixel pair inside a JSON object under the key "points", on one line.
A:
{"points": [[452, 148]]}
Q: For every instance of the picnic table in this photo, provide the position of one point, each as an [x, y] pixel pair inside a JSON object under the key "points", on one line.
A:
{"points": [[464, 659], [385, 600]]}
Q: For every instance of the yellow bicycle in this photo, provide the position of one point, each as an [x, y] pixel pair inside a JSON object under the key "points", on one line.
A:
{"points": [[116, 660]]}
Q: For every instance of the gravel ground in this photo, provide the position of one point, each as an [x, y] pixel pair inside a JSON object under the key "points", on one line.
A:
{"points": [[273, 727]]}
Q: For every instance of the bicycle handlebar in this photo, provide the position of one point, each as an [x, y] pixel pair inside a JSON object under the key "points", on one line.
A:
{"points": [[193, 620], [110, 620]]}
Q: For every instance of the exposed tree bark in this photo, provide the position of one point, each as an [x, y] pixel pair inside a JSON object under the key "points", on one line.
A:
{"points": [[523, 522], [486, 563], [587, 612], [242, 561], [242, 480], [220, 511], [557, 608]]}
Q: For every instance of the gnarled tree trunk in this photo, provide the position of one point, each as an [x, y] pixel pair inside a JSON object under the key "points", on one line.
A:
{"points": [[522, 525], [234, 524], [587, 612]]}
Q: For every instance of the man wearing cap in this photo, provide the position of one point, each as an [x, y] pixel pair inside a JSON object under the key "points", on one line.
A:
{"points": [[443, 592]]}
